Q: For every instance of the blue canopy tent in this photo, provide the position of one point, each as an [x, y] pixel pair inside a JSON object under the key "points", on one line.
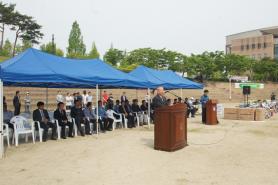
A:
{"points": [[34, 68], [166, 78]]}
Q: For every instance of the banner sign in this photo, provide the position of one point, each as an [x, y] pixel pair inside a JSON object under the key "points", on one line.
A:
{"points": [[239, 78], [252, 85]]}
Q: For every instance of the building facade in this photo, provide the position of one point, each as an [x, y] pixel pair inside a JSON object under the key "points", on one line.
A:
{"points": [[256, 44]]}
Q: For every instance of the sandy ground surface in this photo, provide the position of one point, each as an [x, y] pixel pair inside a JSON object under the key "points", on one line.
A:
{"points": [[232, 153]]}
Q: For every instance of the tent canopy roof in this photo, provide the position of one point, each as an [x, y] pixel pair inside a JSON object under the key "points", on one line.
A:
{"points": [[35, 68], [166, 78]]}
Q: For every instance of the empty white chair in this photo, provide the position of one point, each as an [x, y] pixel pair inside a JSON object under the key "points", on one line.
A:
{"points": [[22, 127]]}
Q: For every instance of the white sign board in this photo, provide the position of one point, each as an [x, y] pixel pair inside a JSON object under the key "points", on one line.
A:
{"points": [[220, 110]]}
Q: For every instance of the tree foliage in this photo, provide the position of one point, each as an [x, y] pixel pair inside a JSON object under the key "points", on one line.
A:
{"points": [[114, 56], [76, 47], [52, 49], [94, 54]]}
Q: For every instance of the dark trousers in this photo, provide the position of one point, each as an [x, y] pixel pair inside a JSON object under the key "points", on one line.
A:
{"points": [[130, 122], [78, 123], [204, 115], [45, 127], [17, 110], [63, 129], [107, 122], [192, 111], [94, 121]]}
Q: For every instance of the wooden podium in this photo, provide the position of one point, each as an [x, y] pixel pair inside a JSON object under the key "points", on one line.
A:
{"points": [[170, 131], [211, 112]]}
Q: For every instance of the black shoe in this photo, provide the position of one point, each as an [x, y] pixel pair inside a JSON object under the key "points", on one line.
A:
{"points": [[44, 140], [54, 138], [109, 129], [64, 137], [71, 136]]}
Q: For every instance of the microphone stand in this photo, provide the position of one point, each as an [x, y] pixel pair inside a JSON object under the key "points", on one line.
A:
{"points": [[173, 94]]}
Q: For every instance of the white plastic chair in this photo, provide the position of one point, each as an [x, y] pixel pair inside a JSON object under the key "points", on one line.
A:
{"points": [[6, 133], [21, 126], [75, 127], [137, 118], [125, 120], [117, 120]]}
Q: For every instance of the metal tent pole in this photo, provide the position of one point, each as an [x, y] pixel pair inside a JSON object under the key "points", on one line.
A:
{"points": [[97, 97], [149, 107], [46, 97], [181, 94], [1, 122]]}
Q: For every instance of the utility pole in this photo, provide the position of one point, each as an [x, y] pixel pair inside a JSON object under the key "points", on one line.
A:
{"points": [[53, 45]]}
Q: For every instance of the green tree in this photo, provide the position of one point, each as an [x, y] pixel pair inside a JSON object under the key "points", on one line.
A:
{"points": [[26, 44], [7, 49], [26, 29], [114, 56], [6, 18], [94, 54], [52, 49], [76, 47]]}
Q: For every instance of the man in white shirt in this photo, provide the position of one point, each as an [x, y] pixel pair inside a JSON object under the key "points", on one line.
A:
{"points": [[84, 98], [89, 98], [59, 97]]}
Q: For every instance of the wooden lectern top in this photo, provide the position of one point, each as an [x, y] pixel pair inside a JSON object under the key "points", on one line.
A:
{"points": [[177, 106]]}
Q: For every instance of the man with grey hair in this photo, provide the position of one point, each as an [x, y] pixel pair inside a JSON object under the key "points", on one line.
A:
{"points": [[159, 100]]}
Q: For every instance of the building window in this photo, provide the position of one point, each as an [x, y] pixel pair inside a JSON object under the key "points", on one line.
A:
{"points": [[259, 45], [242, 47], [265, 44], [247, 47], [276, 51], [253, 46]]}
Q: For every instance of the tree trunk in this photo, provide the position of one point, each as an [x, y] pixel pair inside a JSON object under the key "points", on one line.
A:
{"points": [[2, 36], [16, 37]]}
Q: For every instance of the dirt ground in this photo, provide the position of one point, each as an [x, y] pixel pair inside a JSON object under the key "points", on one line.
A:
{"points": [[231, 153]]}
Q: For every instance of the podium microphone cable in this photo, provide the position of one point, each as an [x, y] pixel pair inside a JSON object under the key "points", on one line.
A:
{"points": [[216, 142]]}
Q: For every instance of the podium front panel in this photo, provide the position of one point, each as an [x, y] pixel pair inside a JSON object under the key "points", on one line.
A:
{"points": [[170, 131]]}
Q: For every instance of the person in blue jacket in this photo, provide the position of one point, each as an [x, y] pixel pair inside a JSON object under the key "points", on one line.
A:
{"points": [[204, 99]]}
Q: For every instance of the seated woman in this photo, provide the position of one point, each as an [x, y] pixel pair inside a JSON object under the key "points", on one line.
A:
{"points": [[125, 109]]}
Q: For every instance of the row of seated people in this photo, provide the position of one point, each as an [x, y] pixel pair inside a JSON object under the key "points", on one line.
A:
{"points": [[85, 116], [80, 115]]}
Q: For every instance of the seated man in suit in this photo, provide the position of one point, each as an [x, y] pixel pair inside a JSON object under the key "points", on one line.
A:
{"points": [[78, 114], [90, 114], [61, 116], [159, 100], [125, 109], [41, 115], [107, 122], [136, 109]]}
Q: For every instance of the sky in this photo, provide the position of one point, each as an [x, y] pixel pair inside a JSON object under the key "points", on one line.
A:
{"points": [[187, 26]]}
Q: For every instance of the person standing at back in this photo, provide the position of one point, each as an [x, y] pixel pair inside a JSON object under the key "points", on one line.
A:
{"points": [[84, 98], [59, 97], [204, 99], [16, 103], [69, 101], [123, 97], [89, 98], [159, 100], [27, 101]]}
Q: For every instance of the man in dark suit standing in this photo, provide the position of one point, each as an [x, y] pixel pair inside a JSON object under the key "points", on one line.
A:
{"points": [[41, 115], [159, 100], [16, 103], [61, 116], [123, 97]]}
